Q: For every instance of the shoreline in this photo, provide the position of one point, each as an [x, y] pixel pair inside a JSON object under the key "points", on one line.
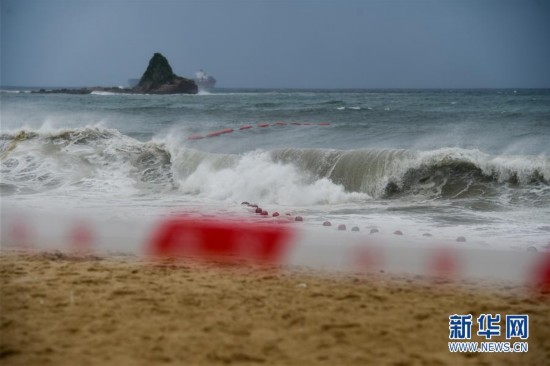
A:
{"points": [[69, 309]]}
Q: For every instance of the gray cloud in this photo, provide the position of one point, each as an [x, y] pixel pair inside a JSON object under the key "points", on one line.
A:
{"points": [[303, 44]]}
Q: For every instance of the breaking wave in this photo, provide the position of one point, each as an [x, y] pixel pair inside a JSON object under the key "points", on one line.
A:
{"points": [[100, 159], [446, 173], [89, 158]]}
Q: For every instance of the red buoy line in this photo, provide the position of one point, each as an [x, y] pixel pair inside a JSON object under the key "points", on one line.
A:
{"points": [[221, 132], [341, 227], [248, 127]]}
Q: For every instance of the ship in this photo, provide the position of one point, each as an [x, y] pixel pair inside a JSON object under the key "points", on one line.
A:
{"points": [[204, 81], [133, 82]]}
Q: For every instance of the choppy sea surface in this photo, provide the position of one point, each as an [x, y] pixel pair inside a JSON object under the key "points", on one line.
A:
{"points": [[472, 163]]}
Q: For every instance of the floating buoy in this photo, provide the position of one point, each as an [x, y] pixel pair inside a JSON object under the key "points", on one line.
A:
{"points": [[221, 132], [258, 210], [355, 228], [275, 214], [298, 218], [342, 227], [195, 137], [372, 231], [461, 239], [246, 127], [327, 223], [264, 213], [398, 232]]}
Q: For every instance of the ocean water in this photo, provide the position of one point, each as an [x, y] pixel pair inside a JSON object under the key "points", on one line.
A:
{"points": [[473, 163]]}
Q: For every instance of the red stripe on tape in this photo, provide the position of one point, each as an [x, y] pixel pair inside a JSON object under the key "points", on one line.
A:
{"points": [[21, 234], [542, 272], [445, 263], [218, 239], [368, 259], [82, 237]]}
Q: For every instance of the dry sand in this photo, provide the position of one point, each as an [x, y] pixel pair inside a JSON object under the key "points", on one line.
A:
{"points": [[63, 310]]}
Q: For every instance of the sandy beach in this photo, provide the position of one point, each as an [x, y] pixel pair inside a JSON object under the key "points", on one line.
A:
{"points": [[58, 309], [274, 183]]}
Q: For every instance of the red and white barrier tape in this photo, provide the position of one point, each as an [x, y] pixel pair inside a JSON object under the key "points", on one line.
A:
{"points": [[287, 244]]}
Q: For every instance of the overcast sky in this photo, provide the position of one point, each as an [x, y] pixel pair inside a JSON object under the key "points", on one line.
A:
{"points": [[277, 44]]}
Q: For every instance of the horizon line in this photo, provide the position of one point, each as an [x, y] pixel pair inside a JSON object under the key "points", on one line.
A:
{"points": [[34, 87]]}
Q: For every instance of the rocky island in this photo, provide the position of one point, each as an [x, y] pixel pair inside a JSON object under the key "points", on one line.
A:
{"points": [[157, 79], [160, 79]]}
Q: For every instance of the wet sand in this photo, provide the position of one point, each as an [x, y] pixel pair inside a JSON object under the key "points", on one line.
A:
{"points": [[119, 310]]}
